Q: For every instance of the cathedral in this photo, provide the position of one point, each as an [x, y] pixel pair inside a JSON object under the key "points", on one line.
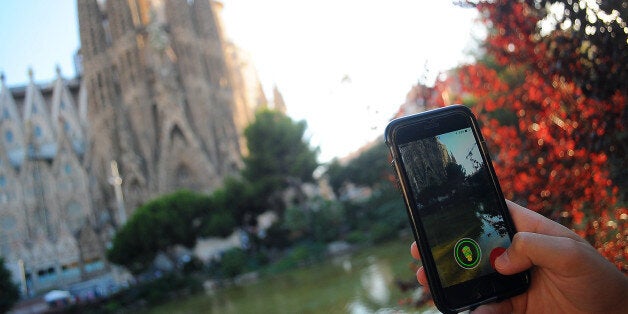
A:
{"points": [[160, 103]]}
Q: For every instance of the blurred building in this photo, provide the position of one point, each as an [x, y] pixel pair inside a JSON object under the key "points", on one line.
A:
{"points": [[167, 97], [49, 235], [160, 104]]}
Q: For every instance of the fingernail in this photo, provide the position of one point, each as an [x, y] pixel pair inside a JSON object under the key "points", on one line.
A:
{"points": [[495, 253], [501, 260]]}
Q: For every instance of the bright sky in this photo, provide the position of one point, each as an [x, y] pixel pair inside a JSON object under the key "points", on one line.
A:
{"points": [[344, 66]]}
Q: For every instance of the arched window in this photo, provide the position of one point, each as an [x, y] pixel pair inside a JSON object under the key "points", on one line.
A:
{"points": [[8, 135], [38, 132], [183, 173]]}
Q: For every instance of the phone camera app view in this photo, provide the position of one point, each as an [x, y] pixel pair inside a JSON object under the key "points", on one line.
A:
{"points": [[460, 216]]}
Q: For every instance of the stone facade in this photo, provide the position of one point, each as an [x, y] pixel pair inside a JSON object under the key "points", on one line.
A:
{"points": [[426, 162], [167, 97], [160, 104], [49, 235]]}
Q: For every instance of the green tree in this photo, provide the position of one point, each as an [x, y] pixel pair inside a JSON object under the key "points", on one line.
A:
{"points": [[320, 220], [370, 168], [241, 199], [174, 219], [233, 262], [9, 292], [279, 156], [382, 216]]}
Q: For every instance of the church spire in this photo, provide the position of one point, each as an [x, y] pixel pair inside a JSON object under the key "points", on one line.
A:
{"points": [[206, 22], [93, 38], [42, 138], [11, 126], [120, 18], [278, 101]]}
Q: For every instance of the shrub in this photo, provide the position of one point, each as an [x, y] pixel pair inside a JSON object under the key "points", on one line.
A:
{"points": [[233, 262]]}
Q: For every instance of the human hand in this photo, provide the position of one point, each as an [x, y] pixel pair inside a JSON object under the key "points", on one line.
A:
{"points": [[568, 274]]}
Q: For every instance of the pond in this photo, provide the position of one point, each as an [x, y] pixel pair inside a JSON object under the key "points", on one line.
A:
{"points": [[364, 282]]}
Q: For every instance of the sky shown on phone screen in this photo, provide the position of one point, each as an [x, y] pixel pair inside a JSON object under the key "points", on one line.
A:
{"points": [[461, 144]]}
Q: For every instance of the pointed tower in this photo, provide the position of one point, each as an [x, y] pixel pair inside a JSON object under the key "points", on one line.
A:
{"points": [[247, 89], [11, 127], [91, 22], [42, 142], [278, 102], [38, 182], [65, 115]]}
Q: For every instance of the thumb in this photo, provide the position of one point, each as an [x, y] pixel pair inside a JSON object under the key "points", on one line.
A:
{"points": [[534, 249]]}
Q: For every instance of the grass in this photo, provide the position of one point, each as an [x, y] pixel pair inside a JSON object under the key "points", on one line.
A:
{"points": [[442, 222]]}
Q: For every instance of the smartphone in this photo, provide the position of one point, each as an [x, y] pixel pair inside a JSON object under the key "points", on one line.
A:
{"points": [[455, 206]]}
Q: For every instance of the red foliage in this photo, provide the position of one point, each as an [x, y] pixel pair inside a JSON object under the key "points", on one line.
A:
{"points": [[548, 137]]}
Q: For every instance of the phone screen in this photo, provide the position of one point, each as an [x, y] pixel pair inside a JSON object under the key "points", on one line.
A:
{"points": [[457, 204]]}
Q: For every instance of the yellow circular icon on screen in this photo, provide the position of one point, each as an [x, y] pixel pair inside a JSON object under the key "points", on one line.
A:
{"points": [[467, 253]]}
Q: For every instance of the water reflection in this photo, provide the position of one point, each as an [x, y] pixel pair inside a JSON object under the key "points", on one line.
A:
{"points": [[366, 282], [376, 279], [356, 307], [347, 266], [376, 282], [344, 262]]}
